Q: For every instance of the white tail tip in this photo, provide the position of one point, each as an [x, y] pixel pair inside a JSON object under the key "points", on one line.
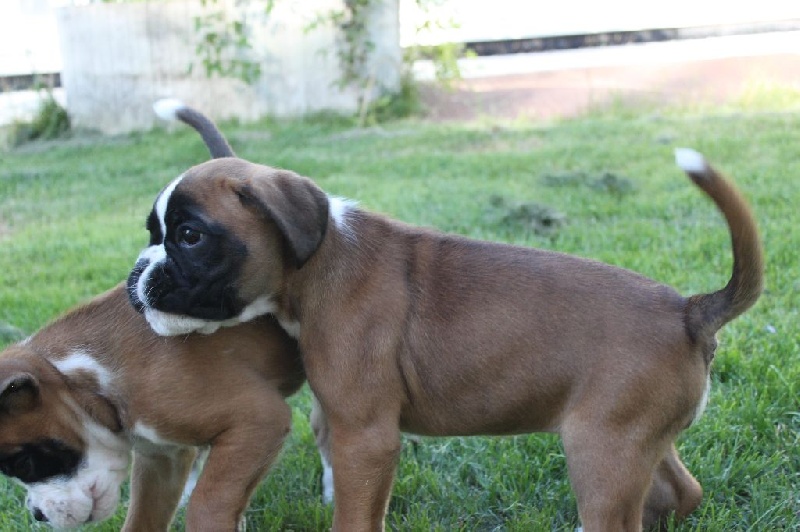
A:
{"points": [[167, 109], [690, 160]]}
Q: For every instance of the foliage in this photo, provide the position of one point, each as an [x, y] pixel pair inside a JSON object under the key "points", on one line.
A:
{"points": [[50, 122], [356, 48], [224, 45], [225, 49], [402, 104]]}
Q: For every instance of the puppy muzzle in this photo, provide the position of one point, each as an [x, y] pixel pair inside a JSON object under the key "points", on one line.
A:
{"points": [[133, 284]]}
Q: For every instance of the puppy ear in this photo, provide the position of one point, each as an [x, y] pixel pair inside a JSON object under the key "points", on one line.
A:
{"points": [[19, 392], [295, 204], [99, 408]]}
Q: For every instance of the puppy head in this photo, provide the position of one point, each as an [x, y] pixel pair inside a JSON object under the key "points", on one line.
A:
{"points": [[222, 236], [70, 463]]}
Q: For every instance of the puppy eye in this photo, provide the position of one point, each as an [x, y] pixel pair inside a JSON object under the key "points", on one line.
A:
{"points": [[24, 467], [189, 237]]}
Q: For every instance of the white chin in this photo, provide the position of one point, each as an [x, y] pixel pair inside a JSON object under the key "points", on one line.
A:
{"points": [[166, 324]]}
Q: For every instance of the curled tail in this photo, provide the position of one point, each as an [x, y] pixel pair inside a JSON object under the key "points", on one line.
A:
{"points": [[172, 109], [707, 313]]}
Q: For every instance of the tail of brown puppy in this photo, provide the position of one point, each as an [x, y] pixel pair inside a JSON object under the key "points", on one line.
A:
{"points": [[707, 313], [172, 109]]}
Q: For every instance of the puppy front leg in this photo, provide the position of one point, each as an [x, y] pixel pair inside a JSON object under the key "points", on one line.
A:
{"points": [[364, 462], [157, 481], [239, 458]]}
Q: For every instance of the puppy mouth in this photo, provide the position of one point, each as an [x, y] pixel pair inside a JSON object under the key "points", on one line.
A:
{"points": [[133, 284], [144, 287], [95, 501]]}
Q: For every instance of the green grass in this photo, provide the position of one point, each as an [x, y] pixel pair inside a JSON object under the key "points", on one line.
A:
{"points": [[72, 222]]}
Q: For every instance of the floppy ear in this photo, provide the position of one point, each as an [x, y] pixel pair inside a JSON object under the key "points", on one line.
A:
{"points": [[19, 392], [297, 206], [99, 409]]}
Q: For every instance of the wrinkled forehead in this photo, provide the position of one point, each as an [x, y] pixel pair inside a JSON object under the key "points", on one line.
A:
{"points": [[204, 193]]}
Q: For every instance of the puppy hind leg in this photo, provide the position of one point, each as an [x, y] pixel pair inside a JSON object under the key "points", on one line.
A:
{"points": [[610, 475], [322, 435], [194, 476], [674, 490]]}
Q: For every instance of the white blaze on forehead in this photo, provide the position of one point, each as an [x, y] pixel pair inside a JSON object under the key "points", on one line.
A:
{"points": [[80, 359], [163, 201]]}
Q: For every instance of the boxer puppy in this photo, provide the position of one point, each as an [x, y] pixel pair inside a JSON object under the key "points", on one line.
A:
{"points": [[78, 396], [405, 328]]}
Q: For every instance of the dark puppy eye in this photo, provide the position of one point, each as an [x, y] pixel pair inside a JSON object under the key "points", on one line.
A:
{"points": [[189, 237], [24, 467]]}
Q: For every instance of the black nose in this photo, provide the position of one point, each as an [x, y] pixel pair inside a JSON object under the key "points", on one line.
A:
{"points": [[39, 516]]}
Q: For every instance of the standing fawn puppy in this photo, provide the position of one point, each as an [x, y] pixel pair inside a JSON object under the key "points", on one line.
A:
{"points": [[405, 328]]}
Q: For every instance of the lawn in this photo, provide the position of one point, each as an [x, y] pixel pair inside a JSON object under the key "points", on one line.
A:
{"points": [[72, 217]]}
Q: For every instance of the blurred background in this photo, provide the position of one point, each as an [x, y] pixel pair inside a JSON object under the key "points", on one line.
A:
{"points": [[105, 62]]}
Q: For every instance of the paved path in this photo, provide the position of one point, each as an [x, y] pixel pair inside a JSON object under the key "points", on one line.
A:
{"points": [[558, 84]]}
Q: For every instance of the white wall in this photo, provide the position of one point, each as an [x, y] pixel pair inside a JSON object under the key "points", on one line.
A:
{"points": [[482, 20], [29, 40], [119, 58], [28, 37]]}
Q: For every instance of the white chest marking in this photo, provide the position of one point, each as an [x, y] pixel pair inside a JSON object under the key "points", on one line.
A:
{"points": [[146, 432], [80, 359], [291, 327], [166, 324]]}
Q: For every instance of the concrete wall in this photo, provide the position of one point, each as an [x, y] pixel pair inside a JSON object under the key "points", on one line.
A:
{"points": [[119, 58], [28, 38]]}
